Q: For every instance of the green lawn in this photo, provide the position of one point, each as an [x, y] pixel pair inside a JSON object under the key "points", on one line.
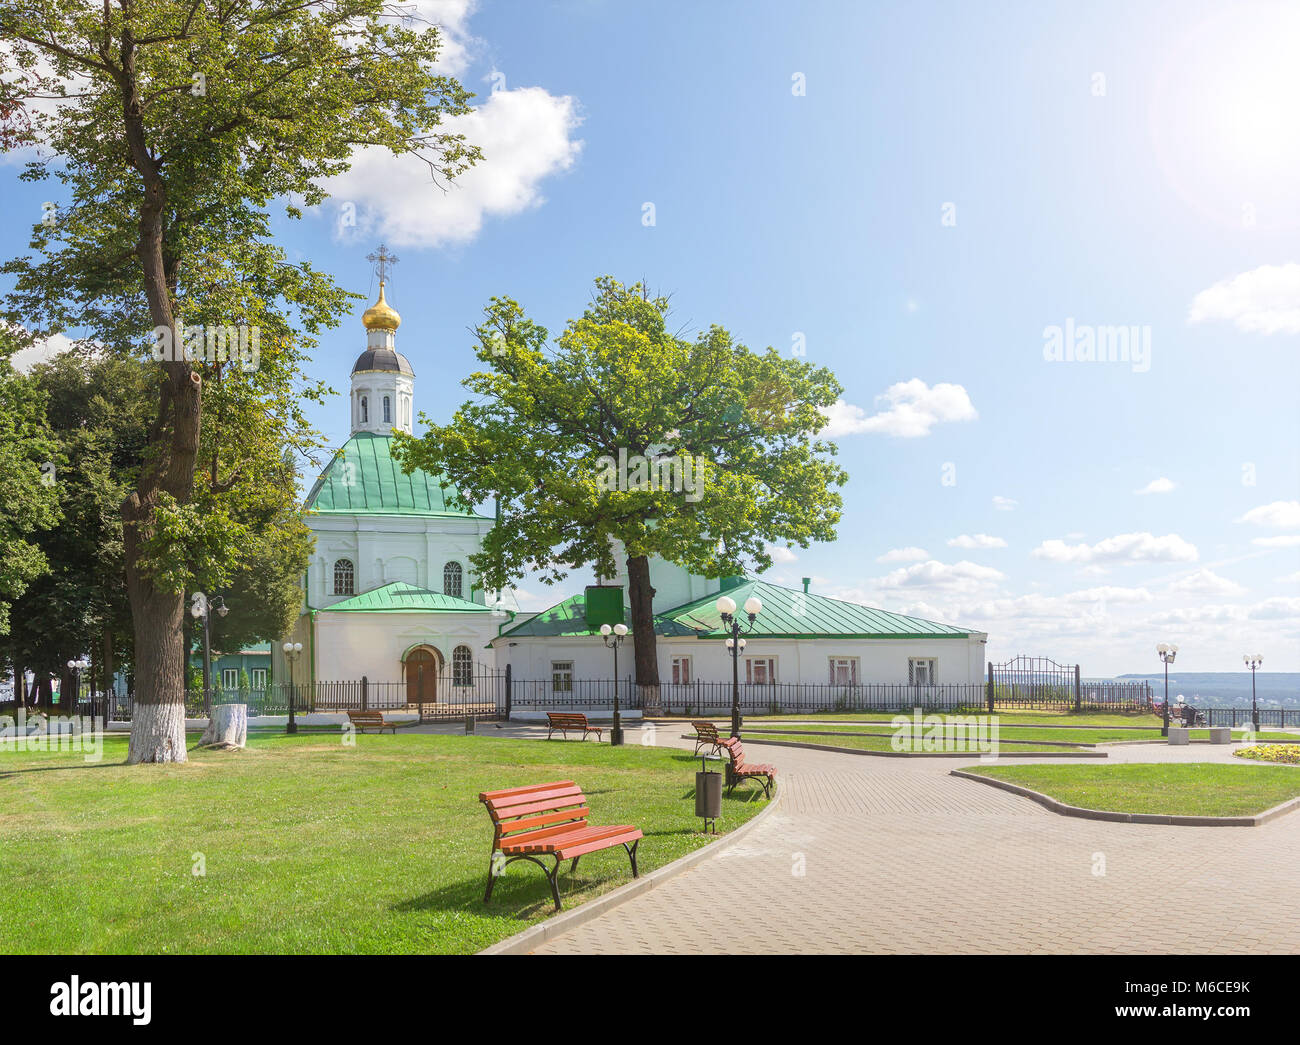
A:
{"points": [[1015, 732], [1182, 789], [312, 846], [876, 743]]}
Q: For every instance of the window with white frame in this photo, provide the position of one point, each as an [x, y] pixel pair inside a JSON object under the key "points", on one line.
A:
{"points": [[344, 577], [682, 671], [562, 676], [453, 579], [365, 411], [462, 666], [229, 678], [760, 671], [388, 410], [921, 671], [844, 671], [259, 678]]}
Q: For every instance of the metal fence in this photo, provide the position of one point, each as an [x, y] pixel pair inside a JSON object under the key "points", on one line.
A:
{"points": [[785, 697], [1039, 683]]}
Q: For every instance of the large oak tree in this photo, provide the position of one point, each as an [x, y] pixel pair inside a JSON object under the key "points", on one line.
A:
{"points": [[175, 126]]}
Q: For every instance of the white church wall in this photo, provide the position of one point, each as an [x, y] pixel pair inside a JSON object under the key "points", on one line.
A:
{"points": [[350, 645]]}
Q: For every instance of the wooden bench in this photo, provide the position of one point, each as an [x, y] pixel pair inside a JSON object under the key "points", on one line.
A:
{"points": [[705, 733], [738, 769], [364, 720], [529, 823], [567, 720]]}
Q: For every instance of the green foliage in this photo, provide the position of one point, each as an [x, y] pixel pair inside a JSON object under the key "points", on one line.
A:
{"points": [[546, 423]]}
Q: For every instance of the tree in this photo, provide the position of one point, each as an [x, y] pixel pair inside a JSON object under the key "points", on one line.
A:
{"points": [[178, 123], [28, 463], [576, 445]]}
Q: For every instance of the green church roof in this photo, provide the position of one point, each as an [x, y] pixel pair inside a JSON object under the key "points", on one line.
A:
{"points": [[569, 618], [398, 596], [363, 479], [790, 614]]}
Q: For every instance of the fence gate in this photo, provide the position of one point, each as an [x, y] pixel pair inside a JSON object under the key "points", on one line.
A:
{"points": [[1033, 682]]}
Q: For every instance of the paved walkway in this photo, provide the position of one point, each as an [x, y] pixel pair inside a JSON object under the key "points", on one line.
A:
{"points": [[890, 855]]}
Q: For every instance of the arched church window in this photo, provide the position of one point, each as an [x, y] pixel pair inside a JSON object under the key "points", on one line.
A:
{"points": [[365, 411], [452, 580], [344, 577], [388, 411], [462, 666]]}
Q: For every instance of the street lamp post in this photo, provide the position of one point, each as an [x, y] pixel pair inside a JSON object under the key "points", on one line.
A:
{"points": [[292, 651], [730, 623], [1167, 654], [613, 638], [77, 667], [201, 609], [1253, 661]]}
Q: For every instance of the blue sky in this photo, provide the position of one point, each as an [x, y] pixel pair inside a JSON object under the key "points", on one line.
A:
{"points": [[952, 180]]}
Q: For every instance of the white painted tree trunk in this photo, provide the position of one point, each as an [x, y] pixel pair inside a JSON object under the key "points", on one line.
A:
{"points": [[227, 727], [157, 733]]}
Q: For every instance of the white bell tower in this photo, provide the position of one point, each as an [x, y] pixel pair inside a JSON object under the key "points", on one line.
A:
{"points": [[383, 383]]}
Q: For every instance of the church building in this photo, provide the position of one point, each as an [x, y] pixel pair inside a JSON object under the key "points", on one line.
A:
{"points": [[390, 593]]}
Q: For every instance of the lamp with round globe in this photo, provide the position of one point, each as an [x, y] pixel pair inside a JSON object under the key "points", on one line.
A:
{"points": [[726, 607], [1253, 661], [76, 667], [1167, 653], [292, 651], [613, 637]]}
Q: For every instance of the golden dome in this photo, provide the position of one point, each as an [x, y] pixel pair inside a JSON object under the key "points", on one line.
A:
{"points": [[381, 315]]}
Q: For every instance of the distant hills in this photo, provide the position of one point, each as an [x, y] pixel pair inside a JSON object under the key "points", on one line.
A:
{"points": [[1226, 689]]}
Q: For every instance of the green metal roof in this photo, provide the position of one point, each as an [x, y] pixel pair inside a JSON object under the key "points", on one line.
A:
{"points": [[570, 618], [399, 596], [363, 479], [788, 613]]}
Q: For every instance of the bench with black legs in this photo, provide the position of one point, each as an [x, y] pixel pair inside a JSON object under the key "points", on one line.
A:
{"points": [[364, 720], [738, 769], [548, 820], [566, 721], [705, 733]]}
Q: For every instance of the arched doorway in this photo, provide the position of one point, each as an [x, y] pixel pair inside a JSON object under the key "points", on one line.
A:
{"points": [[421, 667]]}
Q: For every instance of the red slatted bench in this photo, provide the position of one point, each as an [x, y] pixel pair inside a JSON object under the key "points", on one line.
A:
{"points": [[542, 820], [738, 769], [705, 733], [567, 720]]}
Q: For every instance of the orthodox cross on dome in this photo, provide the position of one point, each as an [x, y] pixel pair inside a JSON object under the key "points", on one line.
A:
{"points": [[383, 260]]}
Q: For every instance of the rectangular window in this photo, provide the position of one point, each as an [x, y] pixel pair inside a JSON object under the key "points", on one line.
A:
{"points": [[921, 671], [844, 671], [562, 676], [229, 678], [682, 671], [259, 678], [760, 671]]}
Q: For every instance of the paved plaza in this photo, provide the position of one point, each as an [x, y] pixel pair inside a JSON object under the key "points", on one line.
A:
{"points": [[891, 855]]}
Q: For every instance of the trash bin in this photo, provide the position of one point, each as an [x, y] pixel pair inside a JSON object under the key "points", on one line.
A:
{"points": [[708, 794], [469, 723]]}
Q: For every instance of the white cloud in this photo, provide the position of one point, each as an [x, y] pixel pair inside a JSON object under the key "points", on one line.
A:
{"points": [[1290, 540], [958, 576], [1279, 514], [42, 351], [1161, 485], [979, 540], [780, 553], [1206, 582], [1004, 504], [1290, 578], [1125, 547], [526, 135], [1265, 300], [909, 554], [908, 409], [1278, 608]]}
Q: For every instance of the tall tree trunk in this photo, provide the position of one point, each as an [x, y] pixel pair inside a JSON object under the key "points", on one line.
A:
{"points": [[641, 595], [20, 687], [157, 615]]}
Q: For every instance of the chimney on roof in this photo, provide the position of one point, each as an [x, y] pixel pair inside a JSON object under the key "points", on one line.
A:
{"points": [[806, 581]]}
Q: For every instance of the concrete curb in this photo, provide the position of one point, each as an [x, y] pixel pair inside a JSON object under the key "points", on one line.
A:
{"points": [[1132, 818], [536, 935], [750, 738], [1010, 742]]}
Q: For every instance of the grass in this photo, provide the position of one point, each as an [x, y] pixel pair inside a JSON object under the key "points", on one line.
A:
{"points": [[311, 846], [876, 743], [1016, 732], [1180, 789], [1289, 754]]}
